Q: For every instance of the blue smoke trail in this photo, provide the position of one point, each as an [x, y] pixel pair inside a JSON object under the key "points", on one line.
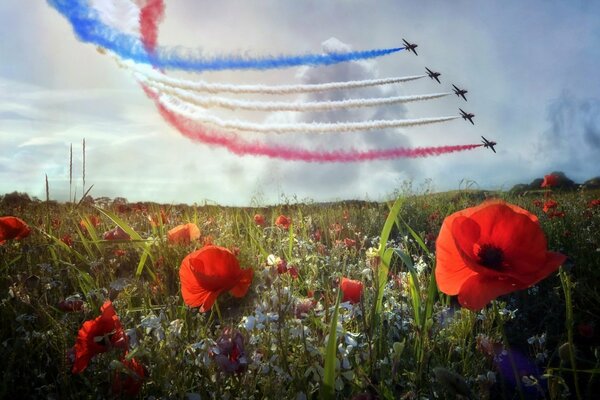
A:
{"points": [[89, 28]]}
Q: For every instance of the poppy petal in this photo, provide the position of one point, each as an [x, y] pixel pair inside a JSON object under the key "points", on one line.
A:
{"points": [[209, 300], [479, 290], [241, 288], [451, 270]]}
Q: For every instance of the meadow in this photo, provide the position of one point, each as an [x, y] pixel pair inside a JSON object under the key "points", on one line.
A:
{"points": [[289, 332]]}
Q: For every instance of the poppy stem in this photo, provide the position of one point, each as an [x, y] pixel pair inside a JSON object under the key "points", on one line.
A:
{"points": [[566, 286], [218, 311]]}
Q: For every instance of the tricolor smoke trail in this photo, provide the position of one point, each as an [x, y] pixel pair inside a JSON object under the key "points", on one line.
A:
{"points": [[152, 78], [194, 113], [90, 28], [241, 147], [231, 104]]}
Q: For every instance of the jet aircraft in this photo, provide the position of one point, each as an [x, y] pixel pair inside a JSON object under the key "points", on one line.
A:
{"points": [[467, 116], [433, 75], [410, 46], [488, 143], [460, 92]]}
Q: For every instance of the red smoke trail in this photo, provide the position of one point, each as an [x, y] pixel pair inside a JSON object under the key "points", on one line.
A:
{"points": [[240, 147], [150, 16]]}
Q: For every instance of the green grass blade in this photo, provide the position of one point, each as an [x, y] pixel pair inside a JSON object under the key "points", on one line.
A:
{"points": [[328, 389], [383, 269], [122, 224]]}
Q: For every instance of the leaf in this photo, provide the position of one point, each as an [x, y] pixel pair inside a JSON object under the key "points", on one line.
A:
{"points": [[328, 389]]}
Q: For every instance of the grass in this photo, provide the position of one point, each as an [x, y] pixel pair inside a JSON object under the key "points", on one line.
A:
{"points": [[403, 340]]}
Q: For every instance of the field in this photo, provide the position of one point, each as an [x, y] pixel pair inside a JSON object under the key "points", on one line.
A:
{"points": [[292, 334]]}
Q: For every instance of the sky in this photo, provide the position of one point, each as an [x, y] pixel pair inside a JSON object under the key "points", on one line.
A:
{"points": [[530, 69]]}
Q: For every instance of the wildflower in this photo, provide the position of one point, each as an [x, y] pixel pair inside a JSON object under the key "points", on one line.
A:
{"points": [[490, 250], [283, 222], [556, 214], [550, 181], [116, 234], [183, 234], [317, 235], [259, 219], [538, 203], [549, 205], [158, 219], [594, 203], [304, 306], [94, 220], [98, 336], [71, 304], [349, 243], [129, 378], [67, 239], [335, 229], [13, 228], [352, 290], [208, 272], [119, 252], [229, 352]]}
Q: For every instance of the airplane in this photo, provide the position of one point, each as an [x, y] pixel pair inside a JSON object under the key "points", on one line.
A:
{"points": [[433, 75], [490, 144], [410, 46], [467, 115], [460, 92]]}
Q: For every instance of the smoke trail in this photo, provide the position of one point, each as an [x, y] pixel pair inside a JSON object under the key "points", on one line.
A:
{"points": [[150, 17], [119, 14], [241, 147], [197, 114], [89, 28], [208, 102], [152, 78]]}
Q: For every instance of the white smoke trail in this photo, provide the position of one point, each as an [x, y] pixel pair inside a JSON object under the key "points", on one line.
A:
{"points": [[197, 114], [119, 14], [151, 77], [209, 102]]}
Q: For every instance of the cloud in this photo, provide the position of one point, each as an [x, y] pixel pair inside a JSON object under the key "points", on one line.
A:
{"points": [[572, 140]]}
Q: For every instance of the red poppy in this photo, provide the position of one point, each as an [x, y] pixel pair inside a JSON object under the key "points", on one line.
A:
{"points": [[129, 380], [594, 203], [352, 290], [259, 219], [98, 336], [349, 242], [67, 239], [283, 222], [13, 228], [208, 272], [556, 214], [94, 220], [116, 234], [183, 234], [549, 205], [156, 220], [550, 180], [317, 235], [490, 250], [119, 252], [538, 203]]}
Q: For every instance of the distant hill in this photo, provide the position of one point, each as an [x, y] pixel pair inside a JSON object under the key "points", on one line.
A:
{"points": [[564, 183]]}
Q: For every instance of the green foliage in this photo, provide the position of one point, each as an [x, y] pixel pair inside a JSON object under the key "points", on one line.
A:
{"points": [[387, 346]]}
